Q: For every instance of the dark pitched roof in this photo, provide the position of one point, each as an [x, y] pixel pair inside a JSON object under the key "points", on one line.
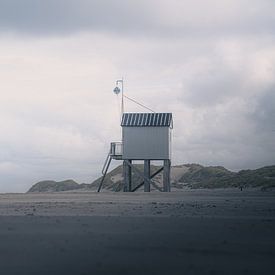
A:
{"points": [[146, 120]]}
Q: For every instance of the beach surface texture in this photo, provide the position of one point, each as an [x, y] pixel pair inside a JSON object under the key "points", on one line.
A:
{"points": [[225, 231]]}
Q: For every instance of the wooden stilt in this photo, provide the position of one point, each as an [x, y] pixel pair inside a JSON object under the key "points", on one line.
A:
{"points": [[147, 175], [152, 176], [166, 175], [127, 176]]}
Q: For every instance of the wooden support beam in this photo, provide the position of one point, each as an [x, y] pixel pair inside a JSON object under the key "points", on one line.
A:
{"points": [[166, 175], [152, 176], [142, 175], [147, 175], [127, 175], [124, 168]]}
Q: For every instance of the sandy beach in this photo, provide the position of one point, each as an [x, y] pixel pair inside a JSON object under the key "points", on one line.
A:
{"points": [[189, 232]]}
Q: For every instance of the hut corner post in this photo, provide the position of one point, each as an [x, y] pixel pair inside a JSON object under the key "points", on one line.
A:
{"points": [[147, 175], [166, 175], [127, 176]]}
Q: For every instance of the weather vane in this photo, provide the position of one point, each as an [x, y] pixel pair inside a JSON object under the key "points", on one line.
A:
{"points": [[117, 90]]}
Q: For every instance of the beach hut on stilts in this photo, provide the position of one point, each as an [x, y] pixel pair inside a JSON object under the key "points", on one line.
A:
{"points": [[146, 137]]}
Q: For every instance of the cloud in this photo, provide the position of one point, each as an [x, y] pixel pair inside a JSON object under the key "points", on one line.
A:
{"points": [[263, 115], [212, 66], [66, 16], [150, 18]]}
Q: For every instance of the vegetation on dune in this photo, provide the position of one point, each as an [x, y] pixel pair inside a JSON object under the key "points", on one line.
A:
{"points": [[191, 175], [113, 180], [217, 177], [53, 186]]}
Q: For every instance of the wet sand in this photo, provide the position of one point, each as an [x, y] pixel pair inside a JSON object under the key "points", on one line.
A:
{"points": [[190, 232]]}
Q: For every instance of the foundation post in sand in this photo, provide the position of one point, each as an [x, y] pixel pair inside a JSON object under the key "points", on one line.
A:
{"points": [[147, 175], [127, 175], [166, 175]]}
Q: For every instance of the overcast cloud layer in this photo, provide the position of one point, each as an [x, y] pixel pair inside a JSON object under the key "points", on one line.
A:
{"points": [[211, 63]]}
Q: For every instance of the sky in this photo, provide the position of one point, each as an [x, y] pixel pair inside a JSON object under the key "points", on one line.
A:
{"points": [[209, 62]]}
